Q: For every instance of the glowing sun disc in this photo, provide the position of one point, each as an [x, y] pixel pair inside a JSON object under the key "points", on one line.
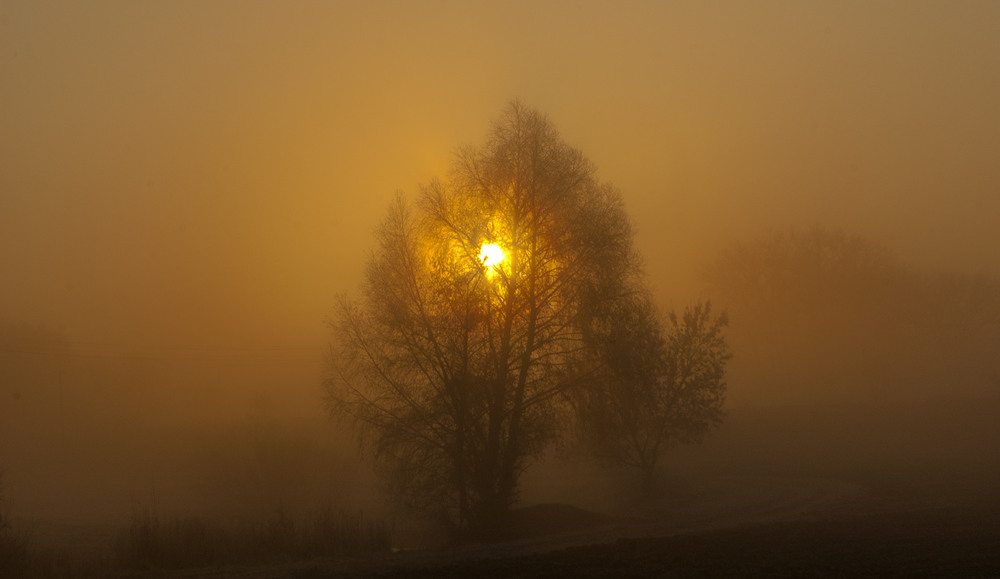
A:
{"points": [[491, 255]]}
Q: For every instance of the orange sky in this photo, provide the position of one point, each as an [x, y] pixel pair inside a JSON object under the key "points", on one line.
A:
{"points": [[208, 175]]}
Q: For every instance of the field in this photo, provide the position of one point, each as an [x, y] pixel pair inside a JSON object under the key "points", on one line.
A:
{"points": [[827, 531], [911, 492]]}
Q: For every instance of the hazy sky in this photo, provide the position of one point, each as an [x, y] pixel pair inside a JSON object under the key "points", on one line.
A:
{"points": [[208, 174]]}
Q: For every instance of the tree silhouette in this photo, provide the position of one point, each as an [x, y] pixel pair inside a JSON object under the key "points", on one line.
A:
{"points": [[478, 317], [656, 388]]}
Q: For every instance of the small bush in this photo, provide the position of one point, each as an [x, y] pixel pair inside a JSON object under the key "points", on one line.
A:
{"points": [[148, 543]]}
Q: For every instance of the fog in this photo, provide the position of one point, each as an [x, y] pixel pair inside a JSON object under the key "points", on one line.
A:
{"points": [[185, 189]]}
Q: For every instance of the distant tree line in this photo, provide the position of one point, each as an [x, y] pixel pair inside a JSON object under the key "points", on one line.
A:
{"points": [[822, 316]]}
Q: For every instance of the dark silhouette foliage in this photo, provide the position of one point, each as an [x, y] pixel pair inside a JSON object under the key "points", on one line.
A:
{"points": [[150, 542]]}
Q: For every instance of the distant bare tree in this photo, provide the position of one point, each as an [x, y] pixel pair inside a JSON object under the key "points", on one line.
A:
{"points": [[474, 319], [657, 388]]}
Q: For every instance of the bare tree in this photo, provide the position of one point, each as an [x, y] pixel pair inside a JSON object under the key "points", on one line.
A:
{"points": [[657, 387], [474, 315]]}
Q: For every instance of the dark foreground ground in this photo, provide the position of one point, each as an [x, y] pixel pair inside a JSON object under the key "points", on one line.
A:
{"points": [[905, 494], [941, 542]]}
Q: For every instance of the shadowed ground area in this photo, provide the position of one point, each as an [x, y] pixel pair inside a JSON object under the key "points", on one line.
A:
{"points": [[554, 519], [956, 542], [827, 529], [775, 494], [939, 542]]}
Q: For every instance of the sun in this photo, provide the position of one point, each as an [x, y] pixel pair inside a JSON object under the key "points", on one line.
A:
{"points": [[491, 255]]}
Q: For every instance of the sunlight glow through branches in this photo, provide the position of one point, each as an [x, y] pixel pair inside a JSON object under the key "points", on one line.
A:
{"points": [[491, 255]]}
